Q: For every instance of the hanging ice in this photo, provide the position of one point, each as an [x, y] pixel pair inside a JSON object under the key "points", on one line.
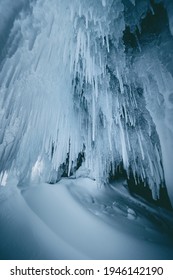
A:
{"points": [[83, 81]]}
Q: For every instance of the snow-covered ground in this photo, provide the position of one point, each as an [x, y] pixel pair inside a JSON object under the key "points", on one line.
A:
{"points": [[75, 219]]}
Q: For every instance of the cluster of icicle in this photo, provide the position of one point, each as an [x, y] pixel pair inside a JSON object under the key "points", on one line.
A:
{"points": [[67, 86]]}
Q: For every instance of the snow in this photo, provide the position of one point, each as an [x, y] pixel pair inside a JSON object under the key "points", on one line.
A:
{"points": [[75, 219]]}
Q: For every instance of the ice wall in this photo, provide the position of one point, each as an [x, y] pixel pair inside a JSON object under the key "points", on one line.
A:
{"points": [[87, 76]]}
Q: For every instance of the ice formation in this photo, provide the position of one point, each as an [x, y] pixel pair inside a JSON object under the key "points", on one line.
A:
{"points": [[88, 81]]}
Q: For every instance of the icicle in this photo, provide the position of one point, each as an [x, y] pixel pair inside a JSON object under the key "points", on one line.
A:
{"points": [[3, 178], [104, 3], [120, 80]]}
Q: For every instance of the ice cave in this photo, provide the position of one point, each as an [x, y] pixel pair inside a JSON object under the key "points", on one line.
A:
{"points": [[86, 129]]}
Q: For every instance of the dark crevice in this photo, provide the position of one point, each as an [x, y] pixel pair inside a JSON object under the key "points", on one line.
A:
{"points": [[137, 187], [151, 26], [62, 171]]}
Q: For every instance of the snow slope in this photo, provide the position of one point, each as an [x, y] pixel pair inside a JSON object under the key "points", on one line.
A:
{"points": [[74, 219]]}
